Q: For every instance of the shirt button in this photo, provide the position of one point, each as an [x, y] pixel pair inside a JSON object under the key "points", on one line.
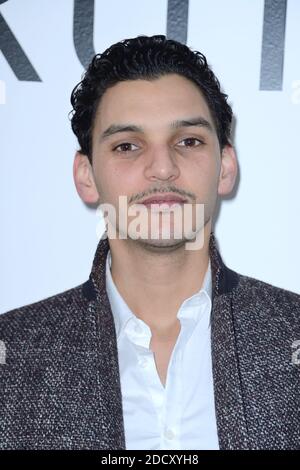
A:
{"points": [[169, 434], [143, 362]]}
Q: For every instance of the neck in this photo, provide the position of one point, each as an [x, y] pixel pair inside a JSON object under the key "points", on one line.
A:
{"points": [[155, 283]]}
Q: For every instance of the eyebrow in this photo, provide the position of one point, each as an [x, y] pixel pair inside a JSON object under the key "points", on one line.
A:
{"points": [[198, 121]]}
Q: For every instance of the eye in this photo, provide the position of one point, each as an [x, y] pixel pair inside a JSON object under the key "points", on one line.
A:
{"points": [[125, 147], [190, 142]]}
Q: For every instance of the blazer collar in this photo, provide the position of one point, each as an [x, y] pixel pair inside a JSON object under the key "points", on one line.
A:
{"points": [[223, 279]]}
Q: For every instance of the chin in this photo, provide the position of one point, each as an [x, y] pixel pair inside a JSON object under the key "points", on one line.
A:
{"points": [[159, 246]]}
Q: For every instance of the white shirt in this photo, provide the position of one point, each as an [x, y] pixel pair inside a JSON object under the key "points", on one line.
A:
{"points": [[180, 415]]}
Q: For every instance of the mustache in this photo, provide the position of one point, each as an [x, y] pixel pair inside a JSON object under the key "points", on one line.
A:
{"points": [[166, 189]]}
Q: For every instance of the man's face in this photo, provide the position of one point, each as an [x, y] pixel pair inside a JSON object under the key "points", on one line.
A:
{"points": [[158, 152]]}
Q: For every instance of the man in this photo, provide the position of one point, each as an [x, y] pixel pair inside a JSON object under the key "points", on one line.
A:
{"points": [[164, 347]]}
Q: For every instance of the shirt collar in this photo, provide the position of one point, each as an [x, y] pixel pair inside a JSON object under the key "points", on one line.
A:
{"points": [[189, 308], [120, 310]]}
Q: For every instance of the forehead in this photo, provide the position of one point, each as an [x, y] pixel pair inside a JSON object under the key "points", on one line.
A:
{"points": [[151, 102]]}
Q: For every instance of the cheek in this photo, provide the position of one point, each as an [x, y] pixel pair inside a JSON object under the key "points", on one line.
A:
{"points": [[206, 172], [114, 182]]}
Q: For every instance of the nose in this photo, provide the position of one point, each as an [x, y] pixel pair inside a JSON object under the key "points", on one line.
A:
{"points": [[161, 165]]}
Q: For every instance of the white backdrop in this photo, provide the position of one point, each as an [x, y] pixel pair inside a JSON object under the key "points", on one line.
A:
{"points": [[48, 236]]}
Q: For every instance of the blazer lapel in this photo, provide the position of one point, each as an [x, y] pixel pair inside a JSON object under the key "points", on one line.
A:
{"points": [[110, 385], [230, 413]]}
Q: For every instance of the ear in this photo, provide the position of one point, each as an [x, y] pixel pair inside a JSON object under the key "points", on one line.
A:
{"points": [[84, 179], [228, 171]]}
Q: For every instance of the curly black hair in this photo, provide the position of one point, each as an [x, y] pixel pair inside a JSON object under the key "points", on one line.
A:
{"points": [[149, 58]]}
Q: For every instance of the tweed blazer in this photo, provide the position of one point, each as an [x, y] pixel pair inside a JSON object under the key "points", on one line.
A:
{"points": [[60, 384]]}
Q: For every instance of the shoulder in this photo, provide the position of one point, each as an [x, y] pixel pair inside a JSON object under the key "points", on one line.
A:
{"points": [[43, 315], [265, 290], [259, 296]]}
